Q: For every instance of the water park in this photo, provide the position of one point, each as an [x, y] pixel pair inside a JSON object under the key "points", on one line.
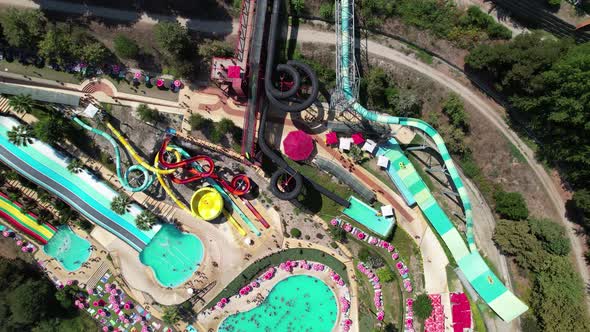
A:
{"points": [[221, 208]]}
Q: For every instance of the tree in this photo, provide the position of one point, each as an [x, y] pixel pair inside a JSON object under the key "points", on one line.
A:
{"points": [[455, 140], [225, 126], [57, 45], [126, 47], [581, 203], [198, 122], [364, 254], [147, 114], [172, 38], [29, 303], [75, 166], [405, 103], [295, 232], [377, 82], [356, 154], [22, 28], [510, 205], [146, 220], [385, 274], [297, 6], [338, 234], [120, 204], [375, 261], [515, 239], [455, 110], [210, 48], [557, 287], [171, 315], [327, 11], [422, 307], [95, 53], [51, 129], [21, 135], [21, 103], [551, 235], [85, 225]]}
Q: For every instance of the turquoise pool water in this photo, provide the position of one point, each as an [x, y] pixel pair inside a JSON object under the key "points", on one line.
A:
{"points": [[299, 303], [367, 216], [68, 248], [173, 255]]}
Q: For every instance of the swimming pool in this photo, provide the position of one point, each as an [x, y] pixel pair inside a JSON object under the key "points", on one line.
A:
{"points": [[298, 303], [68, 248], [173, 255], [367, 216]]}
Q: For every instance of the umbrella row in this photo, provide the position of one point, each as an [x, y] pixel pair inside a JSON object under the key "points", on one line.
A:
{"points": [[374, 279], [436, 321]]}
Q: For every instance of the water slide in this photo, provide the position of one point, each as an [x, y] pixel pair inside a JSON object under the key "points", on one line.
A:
{"points": [[35, 162], [148, 179], [25, 222], [226, 198], [489, 287]]}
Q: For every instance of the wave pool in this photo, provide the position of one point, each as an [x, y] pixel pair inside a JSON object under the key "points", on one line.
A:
{"points": [[298, 303]]}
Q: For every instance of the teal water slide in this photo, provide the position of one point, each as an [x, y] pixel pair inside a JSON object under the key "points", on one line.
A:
{"points": [[148, 178], [483, 280]]}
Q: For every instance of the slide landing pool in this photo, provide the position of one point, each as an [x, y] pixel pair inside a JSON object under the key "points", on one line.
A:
{"points": [[298, 303], [69, 249]]}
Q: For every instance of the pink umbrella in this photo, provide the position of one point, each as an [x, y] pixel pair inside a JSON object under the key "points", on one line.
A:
{"points": [[114, 292], [137, 75], [69, 282], [5, 233], [95, 303], [298, 145], [19, 243], [90, 291], [80, 306], [160, 83], [105, 328], [361, 236], [126, 306], [177, 83], [24, 249], [126, 321], [334, 222]]}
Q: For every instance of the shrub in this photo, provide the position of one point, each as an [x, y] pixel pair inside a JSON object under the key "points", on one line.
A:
{"points": [[126, 47], [147, 114], [296, 233], [327, 11], [511, 205], [85, 225], [385, 274], [334, 245], [364, 254], [422, 306], [198, 122]]}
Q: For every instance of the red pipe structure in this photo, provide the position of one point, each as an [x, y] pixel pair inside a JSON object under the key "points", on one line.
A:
{"points": [[239, 185]]}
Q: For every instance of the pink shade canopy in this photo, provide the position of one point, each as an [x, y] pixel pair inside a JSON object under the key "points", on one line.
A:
{"points": [[233, 71], [358, 138], [331, 138], [298, 145]]}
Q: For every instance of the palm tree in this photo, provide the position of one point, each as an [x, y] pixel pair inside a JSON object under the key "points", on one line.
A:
{"points": [[13, 196], [21, 103], [120, 204], [43, 217], [75, 166], [21, 135], [171, 315], [146, 220]]}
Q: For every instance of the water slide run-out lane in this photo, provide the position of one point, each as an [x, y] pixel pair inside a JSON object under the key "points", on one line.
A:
{"points": [[13, 214], [490, 288], [35, 170]]}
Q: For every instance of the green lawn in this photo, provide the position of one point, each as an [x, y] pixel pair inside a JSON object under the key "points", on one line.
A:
{"points": [[315, 202], [370, 165], [142, 90], [16, 67]]}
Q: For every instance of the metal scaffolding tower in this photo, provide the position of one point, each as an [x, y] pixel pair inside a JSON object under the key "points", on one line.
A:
{"points": [[338, 101]]}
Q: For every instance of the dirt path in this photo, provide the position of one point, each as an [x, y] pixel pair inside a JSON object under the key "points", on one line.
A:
{"points": [[488, 109]]}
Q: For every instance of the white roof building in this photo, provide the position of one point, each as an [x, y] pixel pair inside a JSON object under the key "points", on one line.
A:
{"points": [[369, 146], [345, 143], [387, 210], [382, 161]]}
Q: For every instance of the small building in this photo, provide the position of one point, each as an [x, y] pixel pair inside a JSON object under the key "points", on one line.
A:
{"points": [[369, 146], [345, 143], [383, 161], [387, 211]]}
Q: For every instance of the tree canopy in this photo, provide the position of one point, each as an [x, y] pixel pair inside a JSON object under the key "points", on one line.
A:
{"points": [[126, 47], [511, 205], [547, 81], [423, 306], [23, 28]]}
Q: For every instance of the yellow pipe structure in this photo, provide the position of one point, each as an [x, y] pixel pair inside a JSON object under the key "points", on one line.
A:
{"points": [[136, 156], [183, 206]]}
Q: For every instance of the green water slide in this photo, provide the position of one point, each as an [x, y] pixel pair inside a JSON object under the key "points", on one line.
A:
{"points": [[489, 287], [148, 178]]}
